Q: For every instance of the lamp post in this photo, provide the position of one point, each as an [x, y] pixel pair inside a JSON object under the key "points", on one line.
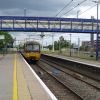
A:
{"points": [[97, 34], [97, 51], [92, 39], [70, 44], [78, 13], [53, 42], [78, 45], [24, 12], [78, 37], [42, 36]]}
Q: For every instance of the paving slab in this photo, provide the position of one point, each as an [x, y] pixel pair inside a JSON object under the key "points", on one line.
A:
{"points": [[6, 77]]}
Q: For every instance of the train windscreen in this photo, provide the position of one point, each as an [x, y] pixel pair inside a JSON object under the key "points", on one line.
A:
{"points": [[32, 47]]}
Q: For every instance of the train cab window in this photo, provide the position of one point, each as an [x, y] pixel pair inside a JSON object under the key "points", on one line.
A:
{"points": [[32, 48], [28, 47], [36, 47]]}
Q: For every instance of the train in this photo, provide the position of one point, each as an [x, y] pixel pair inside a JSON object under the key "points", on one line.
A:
{"points": [[31, 51]]}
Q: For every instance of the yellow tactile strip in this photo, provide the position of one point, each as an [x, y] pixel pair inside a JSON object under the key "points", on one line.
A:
{"points": [[23, 91], [15, 95]]}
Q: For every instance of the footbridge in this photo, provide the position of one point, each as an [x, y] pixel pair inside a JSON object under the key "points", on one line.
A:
{"points": [[51, 24], [48, 24]]}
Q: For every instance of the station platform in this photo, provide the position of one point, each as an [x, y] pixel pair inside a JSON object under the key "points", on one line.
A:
{"points": [[18, 81], [79, 60]]}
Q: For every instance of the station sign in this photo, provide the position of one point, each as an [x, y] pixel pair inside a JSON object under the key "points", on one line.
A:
{"points": [[2, 37]]}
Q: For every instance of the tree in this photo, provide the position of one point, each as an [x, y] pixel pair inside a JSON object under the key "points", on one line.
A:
{"points": [[61, 38], [7, 39], [50, 47], [56, 45], [61, 43]]}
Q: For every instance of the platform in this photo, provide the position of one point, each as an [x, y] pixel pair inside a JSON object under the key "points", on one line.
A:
{"points": [[79, 60], [19, 82]]}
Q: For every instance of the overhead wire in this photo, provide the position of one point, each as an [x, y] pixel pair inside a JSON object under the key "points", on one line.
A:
{"points": [[64, 7], [70, 9], [87, 9], [74, 7]]}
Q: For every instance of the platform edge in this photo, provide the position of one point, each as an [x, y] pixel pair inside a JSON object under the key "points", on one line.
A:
{"points": [[41, 82]]}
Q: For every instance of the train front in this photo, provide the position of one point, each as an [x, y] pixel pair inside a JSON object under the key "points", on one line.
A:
{"points": [[32, 51]]}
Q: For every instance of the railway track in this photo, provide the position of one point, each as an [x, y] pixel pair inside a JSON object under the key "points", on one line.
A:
{"points": [[61, 91], [92, 86], [79, 85], [88, 80], [76, 66]]}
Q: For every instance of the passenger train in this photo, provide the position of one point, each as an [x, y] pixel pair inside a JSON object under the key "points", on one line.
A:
{"points": [[31, 51]]}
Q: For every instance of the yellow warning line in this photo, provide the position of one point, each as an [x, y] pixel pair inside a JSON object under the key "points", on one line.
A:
{"points": [[23, 86], [15, 92]]}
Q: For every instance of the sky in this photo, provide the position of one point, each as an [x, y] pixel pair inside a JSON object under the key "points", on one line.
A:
{"points": [[48, 8]]}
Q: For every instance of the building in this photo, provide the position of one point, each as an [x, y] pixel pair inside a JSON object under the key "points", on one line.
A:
{"points": [[90, 44]]}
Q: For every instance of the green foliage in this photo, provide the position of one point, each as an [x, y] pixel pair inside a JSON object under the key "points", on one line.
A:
{"points": [[7, 39], [50, 47], [61, 43]]}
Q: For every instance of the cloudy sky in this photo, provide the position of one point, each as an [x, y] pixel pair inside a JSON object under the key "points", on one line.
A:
{"points": [[40, 7], [48, 8]]}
